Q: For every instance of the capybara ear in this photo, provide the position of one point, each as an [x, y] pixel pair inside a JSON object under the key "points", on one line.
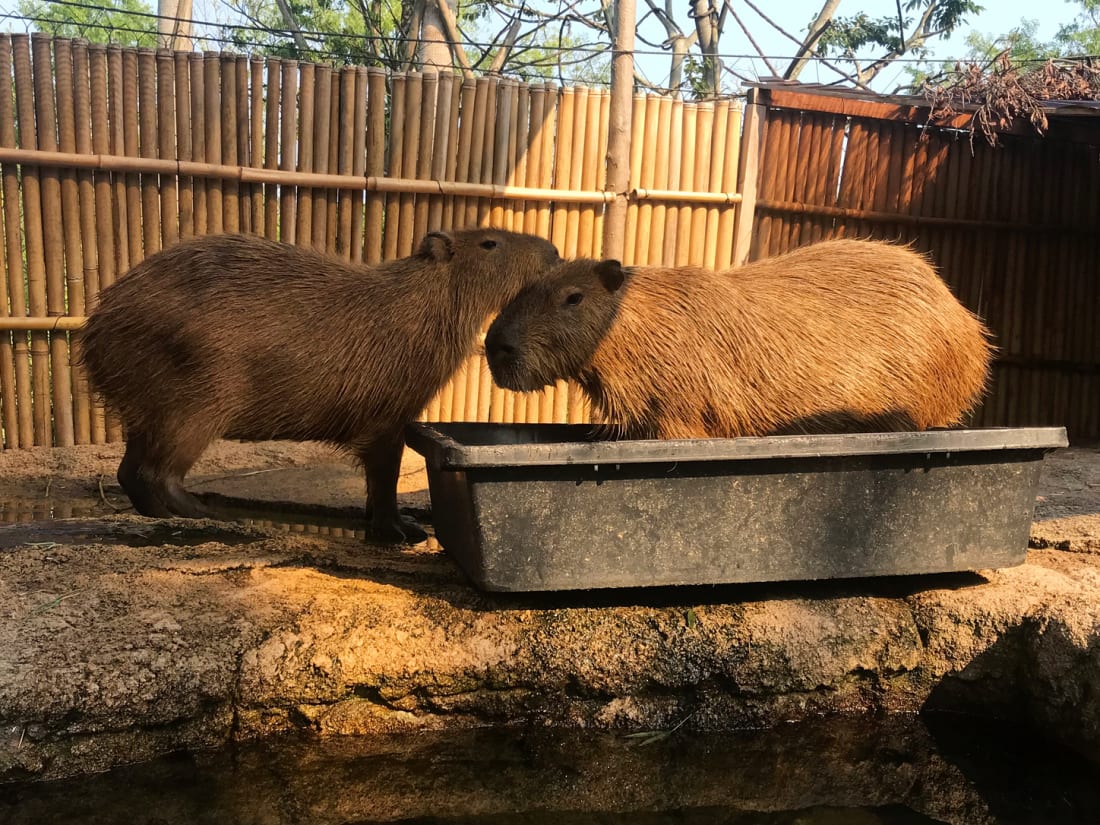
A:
{"points": [[610, 273], [439, 246]]}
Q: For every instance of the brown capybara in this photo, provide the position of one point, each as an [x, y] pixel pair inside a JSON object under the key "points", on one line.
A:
{"points": [[239, 337], [840, 336]]}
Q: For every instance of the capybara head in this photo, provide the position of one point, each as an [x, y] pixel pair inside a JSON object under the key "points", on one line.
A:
{"points": [[497, 257], [553, 327]]}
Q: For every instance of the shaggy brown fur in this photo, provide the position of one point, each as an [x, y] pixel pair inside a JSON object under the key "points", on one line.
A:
{"points": [[842, 335], [239, 337]]}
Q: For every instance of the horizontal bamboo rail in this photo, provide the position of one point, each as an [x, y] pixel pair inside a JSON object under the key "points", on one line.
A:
{"points": [[795, 208], [687, 197], [56, 323], [249, 174]]}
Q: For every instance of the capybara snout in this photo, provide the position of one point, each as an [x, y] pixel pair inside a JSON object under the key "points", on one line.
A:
{"points": [[554, 326], [839, 336], [240, 337]]}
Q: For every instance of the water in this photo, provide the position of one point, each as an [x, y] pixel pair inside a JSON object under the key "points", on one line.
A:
{"points": [[850, 771]]}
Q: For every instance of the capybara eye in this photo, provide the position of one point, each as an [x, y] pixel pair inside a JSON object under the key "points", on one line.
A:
{"points": [[574, 298], [490, 244]]}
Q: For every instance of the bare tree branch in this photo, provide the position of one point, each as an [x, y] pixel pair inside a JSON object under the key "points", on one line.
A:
{"points": [[292, 25], [752, 40], [821, 23]]}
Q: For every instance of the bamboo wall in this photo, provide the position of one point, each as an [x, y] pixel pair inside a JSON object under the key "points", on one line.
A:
{"points": [[109, 154], [1014, 231]]}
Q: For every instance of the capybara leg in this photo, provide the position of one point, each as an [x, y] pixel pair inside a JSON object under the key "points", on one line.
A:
{"points": [[188, 443], [141, 480], [382, 464]]}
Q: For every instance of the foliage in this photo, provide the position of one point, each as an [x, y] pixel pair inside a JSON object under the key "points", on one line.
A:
{"points": [[906, 33], [116, 22]]}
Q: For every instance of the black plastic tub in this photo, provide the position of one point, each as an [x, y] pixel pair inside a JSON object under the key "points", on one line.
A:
{"points": [[531, 507]]}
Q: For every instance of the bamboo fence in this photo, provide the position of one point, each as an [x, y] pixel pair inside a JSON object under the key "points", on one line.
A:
{"points": [[108, 155], [1013, 230]]}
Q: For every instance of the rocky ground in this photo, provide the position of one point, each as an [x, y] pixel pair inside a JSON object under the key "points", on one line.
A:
{"points": [[122, 638]]}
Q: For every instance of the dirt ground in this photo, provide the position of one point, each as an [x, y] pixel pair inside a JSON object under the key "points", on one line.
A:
{"points": [[122, 638]]}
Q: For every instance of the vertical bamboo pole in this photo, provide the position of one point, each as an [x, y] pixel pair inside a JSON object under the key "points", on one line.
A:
{"points": [[491, 397], [358, 163], [562, 161], [272, 106], [464, 148], [646, 149], [533, 153], [398, 89], [790, 228], [690, 157], [651, 235], [643, 143], [442, 148], [124, 184], [306, 115], [549, 126], [675, 175], [704, 123], [440, 151], [212, 108], [601, 163], [727, 221], [485, 160], [517, 150], [14, 364], [410, 158], [752, 245], [105, 202], [166, 132], [376, 159], [185, 184], [244, 141], [447, 218], [505, 113], [33, 185], [489, 121], [719, 126], [86, 198], [322, 122], [258, 209], [288, 142], [453, 399], [230, 125], [344, 160], [477, 147], [334, 140], [148, 147], [196, 68], [589, 179], [427, 151], [69, 292], [576, 178]]}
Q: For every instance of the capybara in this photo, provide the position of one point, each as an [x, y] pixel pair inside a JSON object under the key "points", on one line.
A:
{"points": [[240, 337], [840, 336]]}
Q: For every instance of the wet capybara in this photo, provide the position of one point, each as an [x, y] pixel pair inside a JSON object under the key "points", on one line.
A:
{"points": [[240, 337], [840, 336]]}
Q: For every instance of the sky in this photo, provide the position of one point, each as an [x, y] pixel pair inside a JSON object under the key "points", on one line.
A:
{"points": [[998, 17]]}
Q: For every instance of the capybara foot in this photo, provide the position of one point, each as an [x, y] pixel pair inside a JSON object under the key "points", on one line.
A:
{"points": [[147, 497], [397, 530], [185, 504]]}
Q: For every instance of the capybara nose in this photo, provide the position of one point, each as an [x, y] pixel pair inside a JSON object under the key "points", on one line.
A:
{"points": [[497, 349], [500, 353]]}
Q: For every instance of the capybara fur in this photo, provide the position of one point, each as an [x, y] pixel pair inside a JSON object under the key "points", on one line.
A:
{"points": [[244, 338], [840, 336]]}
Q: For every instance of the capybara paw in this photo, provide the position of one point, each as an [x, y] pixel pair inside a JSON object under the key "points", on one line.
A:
{"points": [[397, 531]]}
